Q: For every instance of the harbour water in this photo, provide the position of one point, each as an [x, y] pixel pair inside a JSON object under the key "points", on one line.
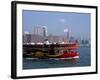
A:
{"points": [[84, 60]]}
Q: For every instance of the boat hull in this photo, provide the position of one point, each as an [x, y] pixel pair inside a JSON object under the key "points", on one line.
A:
{"points": [[65, 56]]}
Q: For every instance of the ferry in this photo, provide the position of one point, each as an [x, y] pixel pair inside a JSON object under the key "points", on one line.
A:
{"points": [[48, 50]]}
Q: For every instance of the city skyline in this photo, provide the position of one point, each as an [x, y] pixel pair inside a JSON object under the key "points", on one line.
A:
{"points": [[56, 22]]}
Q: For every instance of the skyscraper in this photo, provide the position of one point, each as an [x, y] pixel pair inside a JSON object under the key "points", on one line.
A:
{"points": [[45, 31], [40, 30], [37, 30]]}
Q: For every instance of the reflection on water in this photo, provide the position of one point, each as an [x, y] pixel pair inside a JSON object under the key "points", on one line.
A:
{"points": [[84, 60]]}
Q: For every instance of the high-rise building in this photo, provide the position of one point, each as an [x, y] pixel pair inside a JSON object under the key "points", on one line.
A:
{"points": [[37, 30], [26, 37], [40, 30], [45, 31]]}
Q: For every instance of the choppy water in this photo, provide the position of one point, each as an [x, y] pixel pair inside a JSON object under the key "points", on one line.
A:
{"points": [[84, 60]]}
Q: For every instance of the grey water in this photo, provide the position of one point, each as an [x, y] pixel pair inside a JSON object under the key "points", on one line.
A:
{"points": [[83, 60]]}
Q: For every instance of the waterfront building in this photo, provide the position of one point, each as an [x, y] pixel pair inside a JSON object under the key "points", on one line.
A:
{"points": [[39, 30], [26, 37], [45, 33], [39, 34]]}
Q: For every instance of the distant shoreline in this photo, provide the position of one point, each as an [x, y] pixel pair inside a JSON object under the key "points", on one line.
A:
{"points": [[83, 45]]}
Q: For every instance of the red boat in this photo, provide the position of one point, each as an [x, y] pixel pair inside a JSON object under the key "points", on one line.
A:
{"points": [[66, 51], [55, 51]]}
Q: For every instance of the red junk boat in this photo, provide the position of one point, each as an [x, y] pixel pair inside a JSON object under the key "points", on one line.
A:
{"points": [[51, 51]]}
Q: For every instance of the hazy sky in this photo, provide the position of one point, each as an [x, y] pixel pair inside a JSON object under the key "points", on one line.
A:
{"points": [[78, 24]]}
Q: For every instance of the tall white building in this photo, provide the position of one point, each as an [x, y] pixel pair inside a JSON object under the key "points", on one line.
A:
{"points": [[39, 30]]}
